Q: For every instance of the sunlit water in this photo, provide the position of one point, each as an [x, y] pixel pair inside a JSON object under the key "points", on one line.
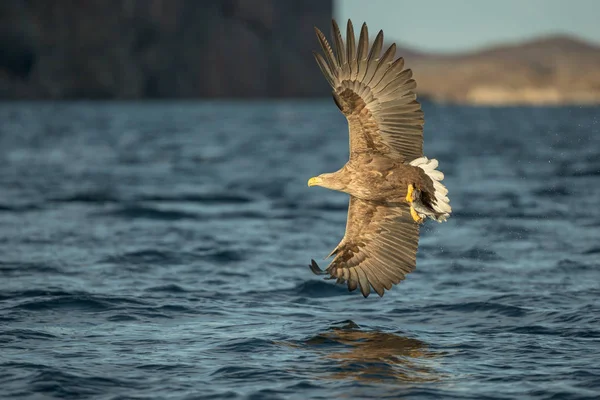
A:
{"points": [[161, 250]]}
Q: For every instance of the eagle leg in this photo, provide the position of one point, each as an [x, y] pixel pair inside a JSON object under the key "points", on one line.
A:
{"points": [[415, 215], [409, 193], [410, 199]]}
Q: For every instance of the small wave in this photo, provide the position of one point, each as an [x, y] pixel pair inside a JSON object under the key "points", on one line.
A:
{"points": [[93, 197], [149, 256], [534, 330], [248, 214], [234, 274], [24, 334], [153, 315], [304, 291], [578, 172], [552, 191], [459, 268], [270, 394], [28, 268], [171, 288], [587, 314], [510, 231], [25, 294], [121, 318], [82, 303], [244, 345], [52, 381], [593, 250], [46, 381], [239, 373], [177, 308], [328, 206], [572, 265], [273, 188], [71, 301], [516, 213], [468, 215], [144, 212], [287, 204], [164, 367], [580, 333], [480, 254], [320, 288], [303, 385], [19, 208], [481, 306], [222, 255], [539, 214], [205, 198]]}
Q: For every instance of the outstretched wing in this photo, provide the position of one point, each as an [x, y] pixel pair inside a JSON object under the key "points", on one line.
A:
{"points": [[374, 93], [378, 249]]}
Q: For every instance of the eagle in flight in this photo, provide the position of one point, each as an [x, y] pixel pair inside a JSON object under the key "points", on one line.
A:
{"points": [[393, 188]]}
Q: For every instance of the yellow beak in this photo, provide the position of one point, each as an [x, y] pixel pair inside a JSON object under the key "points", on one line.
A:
{"points": [[314, 181]]}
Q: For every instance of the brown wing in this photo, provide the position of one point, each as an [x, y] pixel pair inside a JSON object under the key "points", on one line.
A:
{"points": [[374, 93], [378, 249]]}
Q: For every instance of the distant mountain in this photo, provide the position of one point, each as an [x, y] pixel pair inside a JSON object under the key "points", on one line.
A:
{"points": [[556, 69]]}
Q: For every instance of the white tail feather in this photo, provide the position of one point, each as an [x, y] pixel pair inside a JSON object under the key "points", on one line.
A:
{"points": [[441, 204]]}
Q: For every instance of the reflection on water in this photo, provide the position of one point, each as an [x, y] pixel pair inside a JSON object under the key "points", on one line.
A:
{"points": [[375, 356]]}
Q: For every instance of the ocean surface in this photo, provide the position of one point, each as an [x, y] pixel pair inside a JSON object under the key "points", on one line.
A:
{"points": [[160, 250]]}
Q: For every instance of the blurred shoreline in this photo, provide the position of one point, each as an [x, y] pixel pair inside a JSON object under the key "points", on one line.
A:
{"points": [[254, 49], [549, 70]]}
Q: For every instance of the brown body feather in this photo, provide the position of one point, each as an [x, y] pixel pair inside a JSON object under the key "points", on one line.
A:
{"points": [[375, 177], [385, 123]]}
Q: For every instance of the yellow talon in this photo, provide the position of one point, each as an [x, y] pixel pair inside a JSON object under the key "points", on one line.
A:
{"points": [[415, 216], [410, 193]]}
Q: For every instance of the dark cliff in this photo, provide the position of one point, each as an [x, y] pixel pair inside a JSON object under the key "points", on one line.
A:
{"points": [[118, 49]]}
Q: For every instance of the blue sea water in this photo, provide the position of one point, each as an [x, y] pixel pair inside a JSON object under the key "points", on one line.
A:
{"points": [[161, 250]]}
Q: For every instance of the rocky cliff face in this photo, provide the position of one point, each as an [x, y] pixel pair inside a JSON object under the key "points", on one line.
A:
{"points": [[118, 49]]}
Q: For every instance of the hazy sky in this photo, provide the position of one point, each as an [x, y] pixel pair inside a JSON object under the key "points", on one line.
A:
{"points": [[454, 25]]}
